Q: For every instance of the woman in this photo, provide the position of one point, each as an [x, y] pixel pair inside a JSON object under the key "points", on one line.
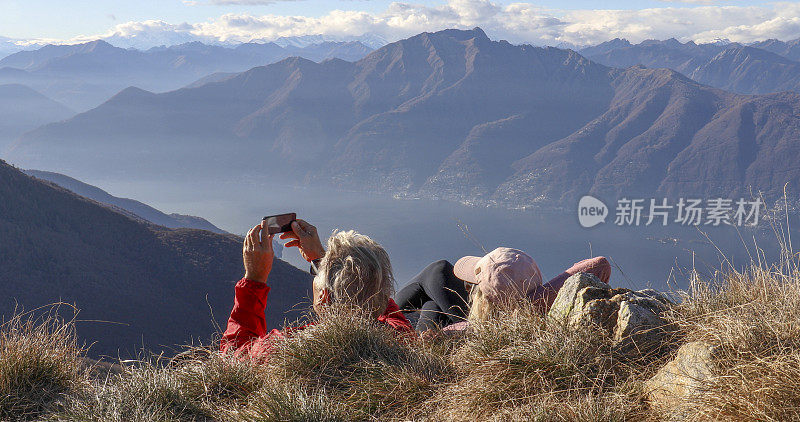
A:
{"points": [[355, 270], [448, 295]]}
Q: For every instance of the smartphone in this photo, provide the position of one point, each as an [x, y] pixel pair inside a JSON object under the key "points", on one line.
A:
{"points": [[280, 223]]}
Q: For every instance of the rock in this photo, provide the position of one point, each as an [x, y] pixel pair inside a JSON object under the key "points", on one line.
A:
{"points": [[681, 378], [601, 311], [639, 320], [568, 295], [633, 318], [661, 297]]}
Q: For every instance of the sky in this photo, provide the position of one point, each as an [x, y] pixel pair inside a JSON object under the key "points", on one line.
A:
{"points": [[144, 23]]}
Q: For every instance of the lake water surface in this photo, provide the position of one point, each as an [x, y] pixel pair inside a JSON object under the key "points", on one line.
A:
{"points": [[417, 232]]}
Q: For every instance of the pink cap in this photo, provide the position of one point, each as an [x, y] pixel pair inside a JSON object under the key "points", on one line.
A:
{"points": [[598, 266], [500, 274]]}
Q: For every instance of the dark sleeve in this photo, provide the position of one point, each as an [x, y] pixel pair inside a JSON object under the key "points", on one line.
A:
{"points": [[439, 284]]}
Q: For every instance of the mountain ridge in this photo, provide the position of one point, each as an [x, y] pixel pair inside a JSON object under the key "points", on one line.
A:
{"points": [[23, 109], [451, 114], [746, 69], [135, 208], [84, 75], [156, 287]]}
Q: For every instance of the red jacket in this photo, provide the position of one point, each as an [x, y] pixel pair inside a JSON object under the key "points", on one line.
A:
{"points": [[247, 327]]}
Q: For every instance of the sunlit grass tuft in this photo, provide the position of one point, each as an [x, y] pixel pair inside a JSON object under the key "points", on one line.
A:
{"points": [[40, 365], [518, 366]]}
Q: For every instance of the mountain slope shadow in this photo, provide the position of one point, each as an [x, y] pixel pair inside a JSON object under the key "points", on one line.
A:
{"points": [[155, 287]]}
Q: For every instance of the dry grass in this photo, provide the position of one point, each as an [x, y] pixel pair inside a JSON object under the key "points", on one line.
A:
{"points": [[138, 395], [518, 367], [524, 367], [363, 365], [40, 365], [753, 319], [283, 402], [205, 386]]}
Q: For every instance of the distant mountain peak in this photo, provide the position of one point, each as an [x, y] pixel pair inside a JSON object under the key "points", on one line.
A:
{"points": [[18, 89], [720, 42], [479, 32], [617, 41], [605, 47], [297, 61], [192, 44], [100, 43], [743, 52], [370, 40], [132, 90], [95, 46], [130, 93], [460, 34], [757, 68]]}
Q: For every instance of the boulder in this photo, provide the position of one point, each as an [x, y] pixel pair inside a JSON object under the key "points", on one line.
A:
{"points": [[633, 318], [681, 378], [574, 294], [639, 319]]}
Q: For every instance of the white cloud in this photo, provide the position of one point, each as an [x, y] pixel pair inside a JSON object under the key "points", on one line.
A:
{"points": [[516, 22], [783, 26], [697, 23], [693, 1], [525, 22], [233, 2]]}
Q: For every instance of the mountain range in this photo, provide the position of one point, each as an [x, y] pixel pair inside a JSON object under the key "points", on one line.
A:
{"points": [[22, 109], [137, 285], [8, 46], [130, 207], [760, 68], [788, 49], [82, 76], [133, 208], [450, 114], [147, 40]]}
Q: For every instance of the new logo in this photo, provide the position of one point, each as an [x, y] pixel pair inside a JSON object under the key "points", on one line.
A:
{"points": [[591, 211]]}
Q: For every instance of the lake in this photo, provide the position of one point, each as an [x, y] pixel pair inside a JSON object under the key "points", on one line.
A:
{"points": [[417, 232]]}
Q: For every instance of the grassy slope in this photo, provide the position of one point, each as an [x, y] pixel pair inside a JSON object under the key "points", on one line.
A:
{"points": [[521, 367]]}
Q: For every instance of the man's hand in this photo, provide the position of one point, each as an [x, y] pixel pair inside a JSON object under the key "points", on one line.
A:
{"points": [[305, 237], [257, 255]]}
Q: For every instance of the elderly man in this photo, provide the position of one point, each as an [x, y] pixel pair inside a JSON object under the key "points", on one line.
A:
{"points": [[355, 271]]}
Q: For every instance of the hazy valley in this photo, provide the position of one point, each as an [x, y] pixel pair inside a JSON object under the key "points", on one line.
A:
{"points": [[449, 115]]}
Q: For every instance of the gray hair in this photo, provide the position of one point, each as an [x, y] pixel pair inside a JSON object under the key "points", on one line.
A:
{"points": [[356, 271]]}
